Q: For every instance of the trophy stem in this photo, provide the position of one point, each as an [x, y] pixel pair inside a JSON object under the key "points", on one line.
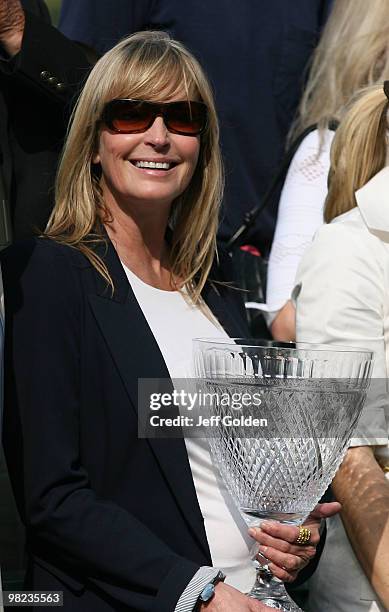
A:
{"points": [[268, 589], [271, 591]]}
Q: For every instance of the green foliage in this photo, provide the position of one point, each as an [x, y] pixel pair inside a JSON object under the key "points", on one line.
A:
{"points": [[54, 8]]}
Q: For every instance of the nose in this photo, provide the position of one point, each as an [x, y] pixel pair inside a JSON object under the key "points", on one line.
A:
{"points": [[157, 135]]}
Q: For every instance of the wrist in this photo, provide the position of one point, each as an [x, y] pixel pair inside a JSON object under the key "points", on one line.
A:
{"points": [[208, 593], [209, 605]]}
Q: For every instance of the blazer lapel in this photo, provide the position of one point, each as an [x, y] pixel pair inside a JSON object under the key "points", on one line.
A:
{"points": [[137, 355]]}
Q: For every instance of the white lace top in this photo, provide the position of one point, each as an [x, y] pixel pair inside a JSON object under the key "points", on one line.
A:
{"points": [[300, 214]]}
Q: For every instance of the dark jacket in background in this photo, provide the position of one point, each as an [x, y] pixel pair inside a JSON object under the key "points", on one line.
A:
{"points": [[254, 52], [36, 91], [33, 120]]}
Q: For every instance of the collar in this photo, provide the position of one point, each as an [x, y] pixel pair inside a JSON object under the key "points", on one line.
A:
{"points": [[373, 204]]}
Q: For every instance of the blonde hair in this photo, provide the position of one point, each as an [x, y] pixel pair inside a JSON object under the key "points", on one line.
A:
{"points": [[352, 53], [152, 66], [358, 150]]}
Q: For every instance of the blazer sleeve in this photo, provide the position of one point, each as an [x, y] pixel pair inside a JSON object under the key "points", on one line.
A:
{"points": [[48, 63], [91, 538], [340, 293]]}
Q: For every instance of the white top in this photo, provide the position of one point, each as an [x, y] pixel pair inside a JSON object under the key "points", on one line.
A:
{"points": [[342, 297], [342, 290], [300, 214], [174, 324]]}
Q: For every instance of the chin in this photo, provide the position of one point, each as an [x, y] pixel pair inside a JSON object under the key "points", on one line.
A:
{"points": [[157, 196]]}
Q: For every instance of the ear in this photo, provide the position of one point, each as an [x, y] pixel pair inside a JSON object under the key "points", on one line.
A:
{"points": [[96, 158]]}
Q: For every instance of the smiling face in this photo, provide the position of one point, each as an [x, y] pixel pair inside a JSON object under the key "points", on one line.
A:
{"points": [[147, 169]]}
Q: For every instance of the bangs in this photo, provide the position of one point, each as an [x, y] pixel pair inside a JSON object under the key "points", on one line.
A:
{"points": [[157, 73]]}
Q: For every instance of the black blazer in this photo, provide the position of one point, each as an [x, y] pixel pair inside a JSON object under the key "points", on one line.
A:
{"points": [[37, 90], [112, 520]]}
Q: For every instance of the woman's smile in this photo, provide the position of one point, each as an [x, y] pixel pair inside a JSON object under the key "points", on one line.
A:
{"points": [[155, 166]]}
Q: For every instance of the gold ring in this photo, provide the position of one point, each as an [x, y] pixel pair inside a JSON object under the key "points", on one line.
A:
{"points": [[304, 536]]}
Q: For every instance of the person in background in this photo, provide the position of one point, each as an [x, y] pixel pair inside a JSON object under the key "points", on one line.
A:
{"points": [[254, 52], [342, 298], [352, 53], [41, 72], [40, 75], [125, 276]]}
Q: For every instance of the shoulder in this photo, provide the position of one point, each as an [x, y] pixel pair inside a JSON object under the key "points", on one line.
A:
{"points": [[309, 166], [40, 254], [305, 186], [40, 268], [317, 143], [344, 254], [349, 234], [316, 137]]}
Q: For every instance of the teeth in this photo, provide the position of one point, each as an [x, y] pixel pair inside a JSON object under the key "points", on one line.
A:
{"points": [[155, 165]]}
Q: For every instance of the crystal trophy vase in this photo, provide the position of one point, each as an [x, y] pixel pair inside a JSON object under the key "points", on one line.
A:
{"points": [[279, 450]]}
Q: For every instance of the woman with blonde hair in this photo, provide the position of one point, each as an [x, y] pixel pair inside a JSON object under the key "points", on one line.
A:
{"points": [[124, 278], [342, 297], [352, 53]]}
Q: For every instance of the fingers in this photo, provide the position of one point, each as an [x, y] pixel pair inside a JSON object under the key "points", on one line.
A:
{"points": [[288, 563], [273, 561], [282, 574], [307, 551], [322, 511], [279, 550], [287, 533], [12, 21], [11, 13]]}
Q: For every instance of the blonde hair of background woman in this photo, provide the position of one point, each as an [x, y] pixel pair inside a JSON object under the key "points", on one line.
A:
{"points": [[359, 150], [352, 53], [151, 66]]}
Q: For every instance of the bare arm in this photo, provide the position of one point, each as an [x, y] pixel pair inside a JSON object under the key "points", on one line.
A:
{"points": [[362, 489], [300, 214], [283, 327], [11, 26]]}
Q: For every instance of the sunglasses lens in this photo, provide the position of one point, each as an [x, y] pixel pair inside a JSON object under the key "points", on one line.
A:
{"points": [[129, 116], [133, 116], [186, 118]]}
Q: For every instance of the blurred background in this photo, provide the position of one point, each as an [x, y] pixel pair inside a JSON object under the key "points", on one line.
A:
{"points": [[54, 7]]}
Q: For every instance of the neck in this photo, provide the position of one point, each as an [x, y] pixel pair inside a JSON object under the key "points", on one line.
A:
{"points": [[139, 240]]}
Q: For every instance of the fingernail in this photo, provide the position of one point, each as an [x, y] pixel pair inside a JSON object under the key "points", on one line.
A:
{"points": [[252, 532], [265, 524], [263, 549]]}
